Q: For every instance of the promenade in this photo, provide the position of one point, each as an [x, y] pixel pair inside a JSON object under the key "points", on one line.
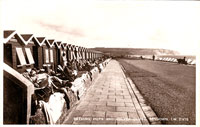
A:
{"points": [[110, 100]]}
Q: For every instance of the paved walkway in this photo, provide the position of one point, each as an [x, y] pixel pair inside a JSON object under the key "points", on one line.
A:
{"points": [[108, 101]]}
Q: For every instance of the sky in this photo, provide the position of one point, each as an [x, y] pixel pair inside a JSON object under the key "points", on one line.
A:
{"points": [[108, 23]]}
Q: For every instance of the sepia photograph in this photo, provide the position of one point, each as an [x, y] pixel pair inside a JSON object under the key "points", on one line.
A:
{"points": [[100, 62]]}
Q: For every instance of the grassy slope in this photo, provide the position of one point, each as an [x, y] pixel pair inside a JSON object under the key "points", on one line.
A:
{"points": [[169, 97]]}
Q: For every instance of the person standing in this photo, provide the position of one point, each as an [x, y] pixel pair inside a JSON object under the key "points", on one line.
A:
{"points": [[64, 59], [153, 57]]}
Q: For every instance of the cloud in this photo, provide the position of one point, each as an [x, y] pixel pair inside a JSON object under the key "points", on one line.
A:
{"points": [[108, 24], [76, 32]]}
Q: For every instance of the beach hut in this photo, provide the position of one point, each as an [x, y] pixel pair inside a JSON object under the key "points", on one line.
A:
{"points": [[48, 54], [52, 54], [38, 53], [63, 50], [90, 54], [17, 89], [45, 53], [32, 50], [64, 47], [86, 54], [69, 52], [83, 53], [58, 52], [78, 53], [73, 52], [18, 50]]}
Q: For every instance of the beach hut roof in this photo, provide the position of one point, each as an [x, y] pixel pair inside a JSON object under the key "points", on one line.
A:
{"points": [[83, 49], [47, 42], [51, 42], [58, 44], [77, 48], [41, 40], [73, 47], [8, 34], [28, 37], [69, 46], [64, 45]]}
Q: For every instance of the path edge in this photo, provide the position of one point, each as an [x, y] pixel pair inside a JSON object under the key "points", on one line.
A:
{"points": [[147, 110]]}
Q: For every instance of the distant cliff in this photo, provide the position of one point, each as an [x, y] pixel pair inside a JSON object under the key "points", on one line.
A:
{"points": [[136, 51]]}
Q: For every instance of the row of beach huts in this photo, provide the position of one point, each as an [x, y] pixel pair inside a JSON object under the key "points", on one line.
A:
{"points": [[23, 52], [40, 51]]}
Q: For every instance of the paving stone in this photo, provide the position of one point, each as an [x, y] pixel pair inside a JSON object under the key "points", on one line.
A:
{"points": [[119, 91], [116, 114], [128, 104], [91, 99], [115, 104], [146, 108], [84, 103], [105, 108], [150, 113], [98, 90], [111, 94], [86, 107], [121, 88], [123, 100], [103, 103], [124, 86], [125, 109], [94, 114], [122, 94], [143, 105], [131, 92], [125, 91], [111, 87], [133, 115], [103, 96], [127, 96], [115, 96], [98, 114], [107, 99], [111, 91], [97, 93], [104, 92], [88, 113]]}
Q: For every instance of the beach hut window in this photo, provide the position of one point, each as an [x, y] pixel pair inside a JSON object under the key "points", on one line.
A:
{"points": [[87, 55], [83, 55], [29, 56], [51, 55], [71, 55], [68, 55], [20, 56], [80, 57], [74, 55], [47, 55]]}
